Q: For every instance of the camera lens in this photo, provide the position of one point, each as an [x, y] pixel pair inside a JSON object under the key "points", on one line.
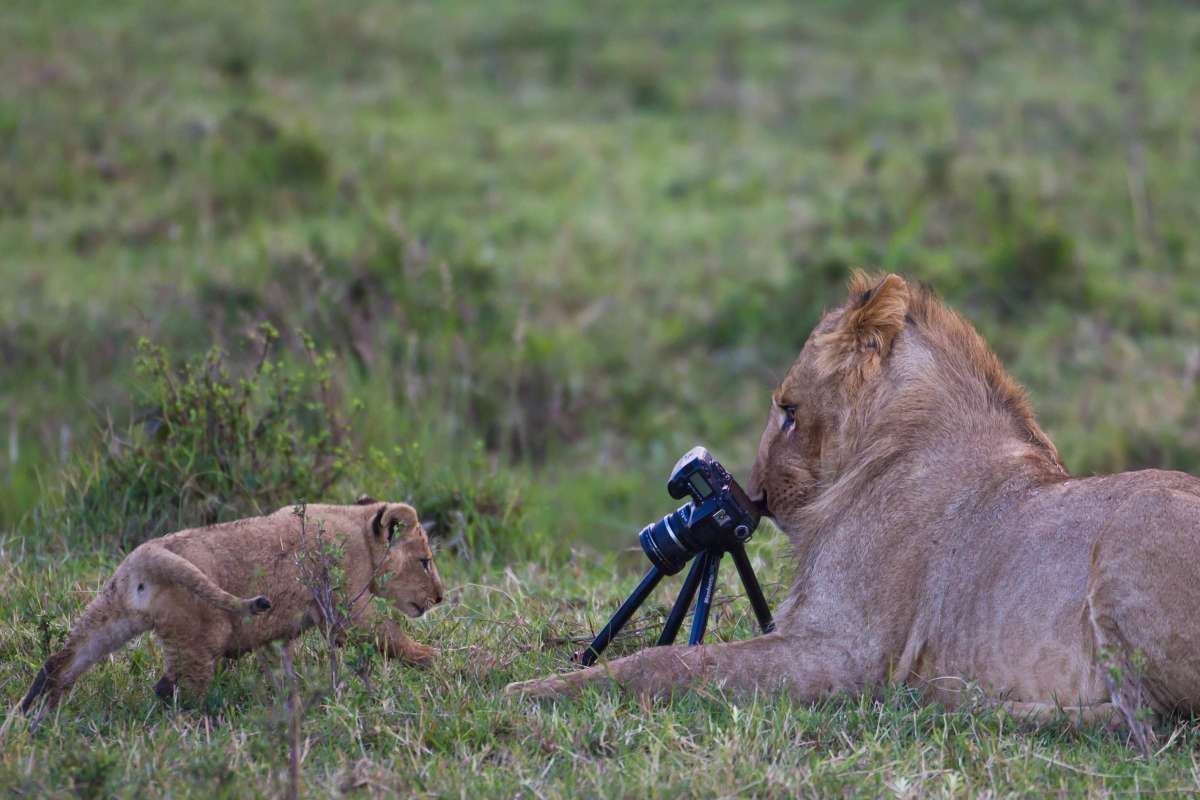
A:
{"points": [[667, 543]]}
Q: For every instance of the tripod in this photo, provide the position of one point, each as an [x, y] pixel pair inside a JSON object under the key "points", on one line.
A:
{"points": [[701, 577]]}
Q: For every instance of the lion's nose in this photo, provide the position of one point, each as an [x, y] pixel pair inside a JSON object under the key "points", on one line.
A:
{"points": [[761, 502], [437, 598]]}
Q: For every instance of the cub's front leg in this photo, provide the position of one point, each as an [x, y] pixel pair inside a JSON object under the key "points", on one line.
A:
{"points": [[390, 639]]}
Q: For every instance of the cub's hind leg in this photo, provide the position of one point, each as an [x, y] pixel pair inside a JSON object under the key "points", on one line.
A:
{"points": [[105, 625], [196, 669], [192, 647], [165, 688]]}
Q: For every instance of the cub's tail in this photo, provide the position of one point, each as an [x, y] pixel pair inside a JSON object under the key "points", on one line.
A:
{"points": [[163, 566]]}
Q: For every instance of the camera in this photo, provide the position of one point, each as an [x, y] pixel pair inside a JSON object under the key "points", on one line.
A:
{"points": [[718, 515], [718, 518]]}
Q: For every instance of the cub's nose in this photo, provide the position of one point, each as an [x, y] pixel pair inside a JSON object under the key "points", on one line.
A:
{"points": [[438, 598]]}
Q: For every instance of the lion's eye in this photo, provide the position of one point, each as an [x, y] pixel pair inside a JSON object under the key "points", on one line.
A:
{"points": [[426, 563], [789, 416]]}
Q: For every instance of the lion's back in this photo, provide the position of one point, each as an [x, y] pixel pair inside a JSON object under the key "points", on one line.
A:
{"points": [[258, 556]]}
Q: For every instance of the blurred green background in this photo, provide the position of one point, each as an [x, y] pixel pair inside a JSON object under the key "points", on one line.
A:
{"points": [[555, 244], [508, 261]]}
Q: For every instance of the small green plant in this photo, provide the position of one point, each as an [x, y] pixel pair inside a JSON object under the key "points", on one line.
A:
{"points": [[321, 561], [1125, 673], [210, 446]]}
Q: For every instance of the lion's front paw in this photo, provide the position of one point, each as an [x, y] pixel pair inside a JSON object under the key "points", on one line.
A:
{"points": [[542, 687]]}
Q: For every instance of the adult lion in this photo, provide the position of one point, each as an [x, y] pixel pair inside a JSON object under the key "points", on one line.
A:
{"points": [[940, 542]]}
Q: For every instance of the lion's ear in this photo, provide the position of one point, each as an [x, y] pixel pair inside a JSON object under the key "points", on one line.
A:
{"points": [[877, 312], [874, 316], [377, 522]]}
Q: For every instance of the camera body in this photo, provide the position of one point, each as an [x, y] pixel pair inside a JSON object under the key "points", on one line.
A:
{"points": [[718, 515]]}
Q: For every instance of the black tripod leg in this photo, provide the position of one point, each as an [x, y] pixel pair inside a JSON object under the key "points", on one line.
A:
{"points": [[753, 590], [643, 590], [684, 601], [704, 603]]}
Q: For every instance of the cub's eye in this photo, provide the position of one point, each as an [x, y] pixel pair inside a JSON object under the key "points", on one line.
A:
{"points": [[789, 416], [426, 563]]}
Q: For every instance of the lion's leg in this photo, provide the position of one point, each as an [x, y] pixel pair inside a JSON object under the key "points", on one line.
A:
{"points": [[1141, 601], [1143, 595], [165, 688], [104, 626], [195, 671], [155, 563], [1125, 670], [807, 667], [391, 640], [1105, 714], [1123, 667], [192, 647]]}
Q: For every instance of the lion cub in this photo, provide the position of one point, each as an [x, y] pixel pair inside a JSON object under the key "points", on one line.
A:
{"points": [[226, 589]]}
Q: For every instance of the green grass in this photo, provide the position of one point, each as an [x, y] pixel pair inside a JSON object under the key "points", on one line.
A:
{"points": [[449, 731], [551, 246]]}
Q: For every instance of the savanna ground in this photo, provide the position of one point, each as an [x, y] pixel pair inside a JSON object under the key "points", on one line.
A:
{"points": [[519, 257]]}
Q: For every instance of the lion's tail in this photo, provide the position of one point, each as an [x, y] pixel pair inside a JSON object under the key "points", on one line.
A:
{"points": [[164, 567]]}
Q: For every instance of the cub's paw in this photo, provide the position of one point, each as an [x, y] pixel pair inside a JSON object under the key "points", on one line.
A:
{"points": [[165, 689], [420, 655]]}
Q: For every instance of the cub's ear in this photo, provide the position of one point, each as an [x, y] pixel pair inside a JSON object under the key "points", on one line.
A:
{"points": [[397, 518], [377, 521]]}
